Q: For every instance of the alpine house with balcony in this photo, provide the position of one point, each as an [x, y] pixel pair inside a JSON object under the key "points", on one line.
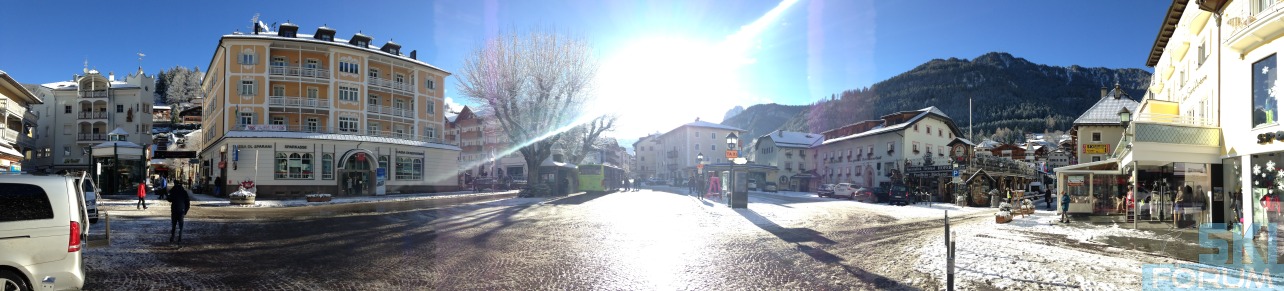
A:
{"points": [[299, 114], [79, 113], [19, 145]]}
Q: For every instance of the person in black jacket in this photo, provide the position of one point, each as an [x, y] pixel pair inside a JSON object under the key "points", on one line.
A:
{"points": [[179, 203]]}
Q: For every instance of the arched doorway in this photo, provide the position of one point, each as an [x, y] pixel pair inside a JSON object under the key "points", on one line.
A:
{"points": [[357, 173]]}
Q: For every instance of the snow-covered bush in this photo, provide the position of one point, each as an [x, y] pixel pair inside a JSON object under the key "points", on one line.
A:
{"points": [[241, 194], [1005, 207], [318, 195]]}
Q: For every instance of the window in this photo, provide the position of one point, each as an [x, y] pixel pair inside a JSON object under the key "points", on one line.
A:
{"points": [[247, 87], [327, 37], [410, 168], [940, 132], [245, 118], [66, 109], [374, 73], [915, 147], [373, 100], [312, 92], [940, 151], [347, 94], [247, 58], [278, 120], [697, 147], [1265, 107], [293, 166], [891, 147], [278, 61], [929, 129], [713, 135], [347, 67], [399, 104], [383, 161], [311, 125], [1096, 136], [430, 132], [24, 202], [1203, 54], [347, 124], [362, 43], [432, 107], [399, 78], [916, 128], [312, 64], [430, 84], [278, 90], [1096, 158], [120, 108], [697, 134], [328, 166], [372, 128], [713, 147]]}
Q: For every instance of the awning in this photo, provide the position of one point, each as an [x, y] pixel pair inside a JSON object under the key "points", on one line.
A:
{"points": [[549, 162], [1105, 167], [803, 176], [9, 151]]}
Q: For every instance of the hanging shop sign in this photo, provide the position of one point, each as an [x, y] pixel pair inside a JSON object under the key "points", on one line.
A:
{"points": [[1096, 149]]}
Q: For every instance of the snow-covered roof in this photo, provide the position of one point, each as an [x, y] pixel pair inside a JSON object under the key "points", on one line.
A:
{"points": [[161, 107], [791, 139], [963, 140], [701, 123], [1106, 111], [923, 113], [9, 151], [337, 41], [332, 136], [988, 144], [71, 85], [118, 144]]}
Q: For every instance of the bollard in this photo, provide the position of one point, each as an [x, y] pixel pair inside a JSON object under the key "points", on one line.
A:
{"points": [[947, 228], [107, 221], [949, 272]]}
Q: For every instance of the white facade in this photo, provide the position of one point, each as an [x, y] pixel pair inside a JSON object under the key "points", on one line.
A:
{"points": [[647, 157], [788, 152], [78, 114], [679, 148], [868, 158]]}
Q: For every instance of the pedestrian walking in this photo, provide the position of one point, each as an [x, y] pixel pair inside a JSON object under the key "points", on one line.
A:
{"points": [[1065, 207], [142, 196], [162, 187], [179, 203], [1047, 198]]}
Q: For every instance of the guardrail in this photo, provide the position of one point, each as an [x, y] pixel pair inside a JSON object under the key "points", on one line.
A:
{"points": [[298, 102], [299, 71]]}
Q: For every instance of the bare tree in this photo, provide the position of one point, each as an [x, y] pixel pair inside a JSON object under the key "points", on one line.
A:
{"points": [[584, 139], [535, 83]]}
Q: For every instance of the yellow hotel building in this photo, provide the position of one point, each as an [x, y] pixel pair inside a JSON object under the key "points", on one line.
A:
{"points": [[300, 114]]}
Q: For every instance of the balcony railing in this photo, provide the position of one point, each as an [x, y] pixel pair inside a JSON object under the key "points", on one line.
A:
{"points": [[298, 102], [10, 135], [94, 94], [1254, 18], [1174, 119], [381, 82], [298, 71], [91, 136], [403, 112], [330, 130], [92, 115]]}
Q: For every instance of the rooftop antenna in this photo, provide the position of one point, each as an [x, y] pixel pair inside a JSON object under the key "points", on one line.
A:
{"points": [[140, 60], [86, 70]]}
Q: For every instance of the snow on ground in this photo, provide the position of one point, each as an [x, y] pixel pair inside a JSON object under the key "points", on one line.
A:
{"points": [[210, 201], [912, 211], [1035, 252]]}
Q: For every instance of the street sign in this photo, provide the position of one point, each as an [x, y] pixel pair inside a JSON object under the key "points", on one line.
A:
{"points": [[731, 154], [956, 173]]}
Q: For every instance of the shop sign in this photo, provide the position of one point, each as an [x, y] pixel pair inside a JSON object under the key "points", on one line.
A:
{"points": [[1270, 137], [294, 147], [70, 160], [410, 153], [1096, 149], [265, 127], [1074, 181], [939, 168]]}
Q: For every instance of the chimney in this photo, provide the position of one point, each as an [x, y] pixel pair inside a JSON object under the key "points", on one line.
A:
{"points": [[256, 27], [1118, 91], [1103, 91], [780, 133], [412, 55], [111, 76]]}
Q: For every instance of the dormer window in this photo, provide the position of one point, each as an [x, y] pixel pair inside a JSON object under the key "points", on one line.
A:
{"points": [[394, 51], [362, 43], [327, 37]]}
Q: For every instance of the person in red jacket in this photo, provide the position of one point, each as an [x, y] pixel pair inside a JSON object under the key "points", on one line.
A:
{"points": [[142, 195]]}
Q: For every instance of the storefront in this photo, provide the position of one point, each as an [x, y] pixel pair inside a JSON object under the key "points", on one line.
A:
{"points": [[290, 167]]}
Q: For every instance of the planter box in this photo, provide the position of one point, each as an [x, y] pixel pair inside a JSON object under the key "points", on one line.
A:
{"points": [[319, 199], [242, 200], [1000, 219]]}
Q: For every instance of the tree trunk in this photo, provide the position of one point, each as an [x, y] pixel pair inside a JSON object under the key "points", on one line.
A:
{"points": [[532, 173]]}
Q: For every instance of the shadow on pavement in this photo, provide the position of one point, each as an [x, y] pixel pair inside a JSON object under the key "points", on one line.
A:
{"points": [[792, 235], [578, 199], [797, 236]]}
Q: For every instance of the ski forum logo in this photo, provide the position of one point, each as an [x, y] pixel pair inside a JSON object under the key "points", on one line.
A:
{"points": [[1239, 263]]}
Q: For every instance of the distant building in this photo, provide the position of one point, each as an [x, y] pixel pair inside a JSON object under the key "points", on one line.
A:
{"points": [[79, 113], [19, 144], [787, 151], [484, 145], [647, 156], [877, 153], [1098, 130], [683, 144]]}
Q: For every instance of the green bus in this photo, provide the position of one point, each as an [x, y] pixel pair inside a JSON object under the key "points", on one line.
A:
{"points": [[600, 178]]}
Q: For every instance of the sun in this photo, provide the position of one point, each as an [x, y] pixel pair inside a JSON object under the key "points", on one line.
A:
{"points": [[663, 82]]}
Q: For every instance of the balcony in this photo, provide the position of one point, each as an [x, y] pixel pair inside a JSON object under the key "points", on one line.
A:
{"points": [[1158, 139], [401, 112], [1252, 24], [91, 137], [9, 136], [298, 71], [18, 110], [298, 102], [92, 115], [385, 83], [330, 130], [95, 94]]}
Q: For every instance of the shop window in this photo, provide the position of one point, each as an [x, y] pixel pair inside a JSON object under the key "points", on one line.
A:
{"points": [[1096, 136], [327, 166], [410, 168], [383, 161], [1265, 98], [293, 166]]}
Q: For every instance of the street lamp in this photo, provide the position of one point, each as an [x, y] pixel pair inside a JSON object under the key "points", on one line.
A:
{"points": [[1125, 116], [698, 174], [732, 141]]}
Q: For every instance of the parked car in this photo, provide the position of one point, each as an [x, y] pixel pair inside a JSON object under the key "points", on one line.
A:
{"points": [[899, 194], [43, 224], [864, 194], [769, 187], [91, 199], [825, 190], [842, 190], [880, 194], [753, 185]]}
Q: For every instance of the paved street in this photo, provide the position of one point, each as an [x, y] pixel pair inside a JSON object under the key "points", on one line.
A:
{"points": [[632, 240]]}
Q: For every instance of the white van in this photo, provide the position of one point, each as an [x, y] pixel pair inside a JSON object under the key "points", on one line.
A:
{"points": [[43, 224]]}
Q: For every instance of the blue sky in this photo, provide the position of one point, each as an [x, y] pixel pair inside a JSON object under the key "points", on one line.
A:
{"points": [[809, 50]]}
